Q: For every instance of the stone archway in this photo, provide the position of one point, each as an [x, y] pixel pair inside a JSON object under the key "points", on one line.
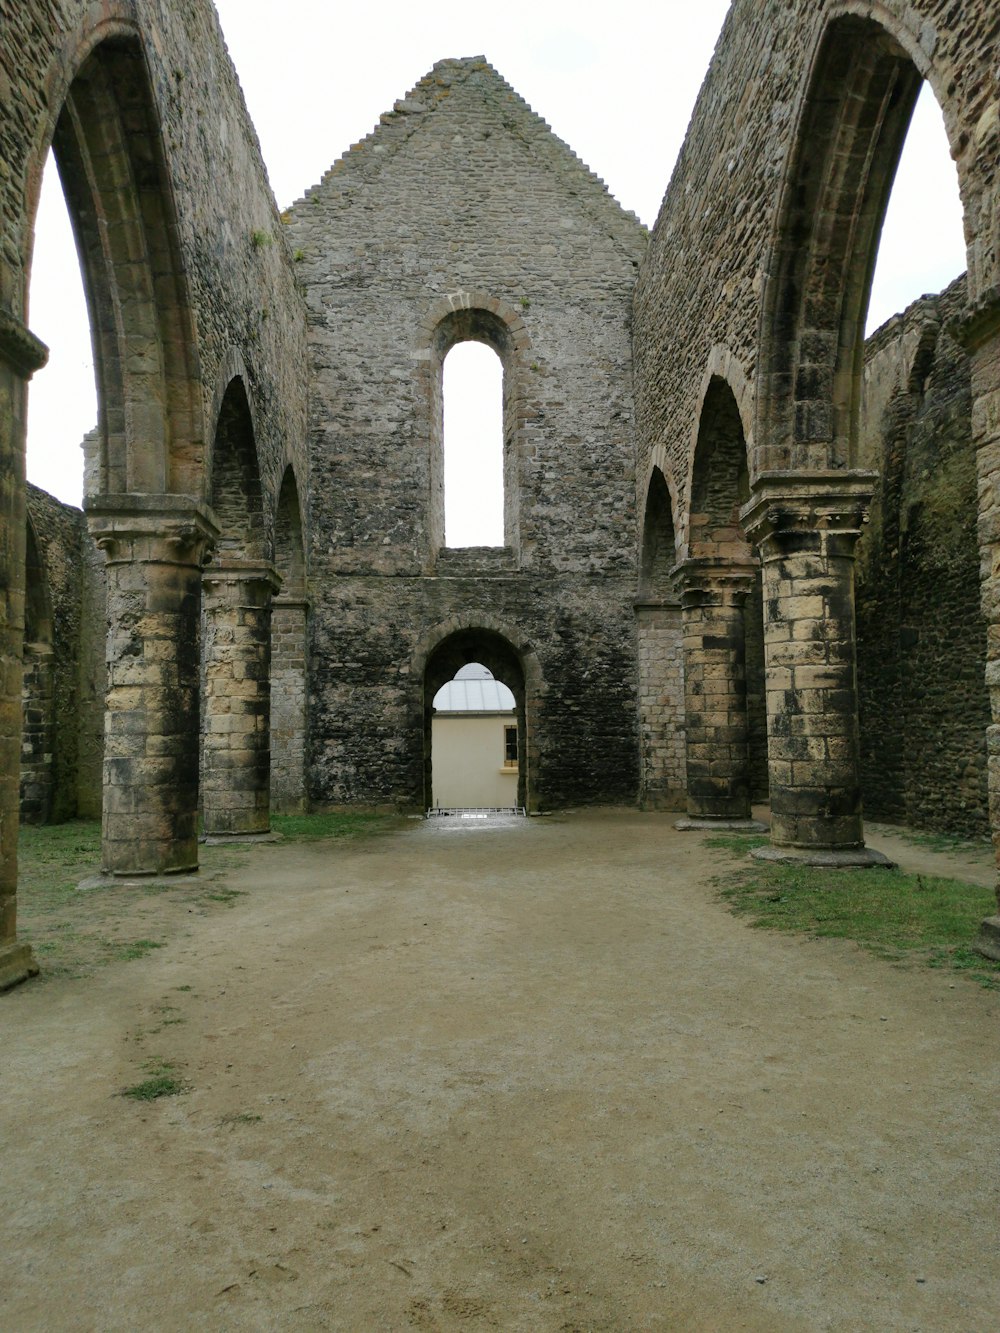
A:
{"points": [[453, 646], [289, 655], [237, 588], [720, 585], [660, 645]]}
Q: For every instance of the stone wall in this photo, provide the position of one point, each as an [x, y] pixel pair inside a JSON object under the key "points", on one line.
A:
{"points": [[462, 216], [921, 632], [64, 661], [660, 643]]}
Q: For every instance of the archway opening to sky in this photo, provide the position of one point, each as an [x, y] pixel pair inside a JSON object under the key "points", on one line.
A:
{"points": [[62, 406], [922, 247]]}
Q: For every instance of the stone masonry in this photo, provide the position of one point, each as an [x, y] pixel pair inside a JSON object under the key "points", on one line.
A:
{"points": [[477, 223]]}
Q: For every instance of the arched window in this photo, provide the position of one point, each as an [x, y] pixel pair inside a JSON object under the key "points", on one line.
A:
{"points": [[475, 382], [472, 394]]}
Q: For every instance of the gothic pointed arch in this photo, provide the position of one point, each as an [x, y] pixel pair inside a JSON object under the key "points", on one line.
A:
{"points": [[719, 481], [289, 654], [855, 114], [658, 539], [109, 151], [235, 485]]}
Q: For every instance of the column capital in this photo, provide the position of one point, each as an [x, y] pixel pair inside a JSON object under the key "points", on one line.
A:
{"points": [[713, 578], [162, 529], [19, 347], [232, 572], [799, 511]]}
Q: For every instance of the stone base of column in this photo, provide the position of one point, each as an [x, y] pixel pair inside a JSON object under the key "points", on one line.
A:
{"points": [[841, 858], [988, 941], [166, 879], [17, 964], [720, 826], [220, 839]]}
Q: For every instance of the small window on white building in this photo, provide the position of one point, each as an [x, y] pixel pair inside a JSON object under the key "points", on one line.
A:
{"points": [[510, 747]]}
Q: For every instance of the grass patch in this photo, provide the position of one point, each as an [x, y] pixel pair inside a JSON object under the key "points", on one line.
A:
{"points": [[162, 1082], [73, 933], [943, 842], [906, 918], [135, 949], [340, 825], [240, 1118]]}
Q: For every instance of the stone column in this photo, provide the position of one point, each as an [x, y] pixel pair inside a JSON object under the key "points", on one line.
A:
{"points": [[155, 547], [981, 336], [660, 642], [289, 630], [715, 694], [21, 354], [806, 527], [236, 745]]}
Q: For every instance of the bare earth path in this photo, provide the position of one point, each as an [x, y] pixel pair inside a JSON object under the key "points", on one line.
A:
{"points": [[530, 1077]]}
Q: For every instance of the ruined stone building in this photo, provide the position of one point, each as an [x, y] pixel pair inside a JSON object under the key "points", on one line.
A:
{"points": [[746, 556]]}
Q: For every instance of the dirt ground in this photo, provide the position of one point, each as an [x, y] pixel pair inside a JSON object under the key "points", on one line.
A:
{"points": [[524, 1075]]}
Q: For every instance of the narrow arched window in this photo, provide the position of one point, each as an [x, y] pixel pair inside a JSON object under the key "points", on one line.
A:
{"points": [[473, 394]]}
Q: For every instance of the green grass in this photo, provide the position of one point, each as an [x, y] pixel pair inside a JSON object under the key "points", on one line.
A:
{"points": [[74, 933], [943, 842], [909, 919], [162, 1082], [350, 825], [240, 1118]]}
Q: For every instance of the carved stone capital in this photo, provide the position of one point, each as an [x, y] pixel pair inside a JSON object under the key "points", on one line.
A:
{"points": [[292, 603], [20, 348], [259, 574], [715, 581], [154, 529], [799, 512]]}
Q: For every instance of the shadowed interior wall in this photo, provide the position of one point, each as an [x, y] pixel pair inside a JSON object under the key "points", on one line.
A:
{"points": [[924, 708]]}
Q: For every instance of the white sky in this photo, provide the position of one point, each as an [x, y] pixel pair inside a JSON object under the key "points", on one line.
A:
{"points": [[317, 75]]}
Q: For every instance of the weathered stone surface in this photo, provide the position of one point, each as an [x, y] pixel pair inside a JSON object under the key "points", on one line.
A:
{"points": [[923, 703], [477, 223]]}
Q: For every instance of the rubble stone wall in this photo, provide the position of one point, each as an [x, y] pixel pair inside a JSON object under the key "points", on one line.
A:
{"points": [[921, 631], [462, 216]]}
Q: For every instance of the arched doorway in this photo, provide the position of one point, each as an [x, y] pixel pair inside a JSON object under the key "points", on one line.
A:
{"points": [[474, 743], [723, 667], [660, 644], [491, 650], [289, 655], [237, 587]]}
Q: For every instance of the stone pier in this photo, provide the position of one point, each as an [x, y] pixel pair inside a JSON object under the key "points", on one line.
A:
{"points": [[21, 354], [236, 748], [806, 527], [155, 547], [715, 694]]}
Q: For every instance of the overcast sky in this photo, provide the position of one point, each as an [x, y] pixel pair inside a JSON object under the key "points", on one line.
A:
{"points": [[317, 75]]}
